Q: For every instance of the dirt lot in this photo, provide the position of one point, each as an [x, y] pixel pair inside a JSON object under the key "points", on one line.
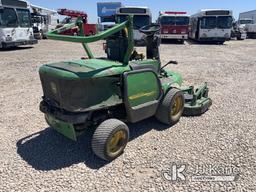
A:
{"points": [[35, 158]]}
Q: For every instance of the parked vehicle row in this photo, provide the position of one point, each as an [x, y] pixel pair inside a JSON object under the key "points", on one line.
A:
{"points": [[205, 26], [209, 25], [22, 23], [15, 24]]}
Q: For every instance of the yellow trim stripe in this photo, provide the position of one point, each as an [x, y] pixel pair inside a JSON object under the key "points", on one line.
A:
{"points": [[139, 95]]}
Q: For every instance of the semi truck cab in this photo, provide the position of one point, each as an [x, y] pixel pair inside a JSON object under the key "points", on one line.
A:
{"points": [[249, 26]]}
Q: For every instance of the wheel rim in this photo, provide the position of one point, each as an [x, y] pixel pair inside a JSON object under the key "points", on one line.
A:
{"points": [[116, 143], [176, 106]]}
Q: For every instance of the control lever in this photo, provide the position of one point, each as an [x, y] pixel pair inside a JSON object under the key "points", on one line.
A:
{"points": [[170, 62]]}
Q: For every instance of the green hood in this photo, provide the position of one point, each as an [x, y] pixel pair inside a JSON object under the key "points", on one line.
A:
{"points": [[82, 69]]}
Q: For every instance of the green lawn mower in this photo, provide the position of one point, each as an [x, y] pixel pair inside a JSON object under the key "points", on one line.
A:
{"points": [[106, 93]]}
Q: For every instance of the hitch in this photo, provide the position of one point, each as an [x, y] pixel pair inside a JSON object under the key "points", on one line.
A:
{"points": [[197, 101]]}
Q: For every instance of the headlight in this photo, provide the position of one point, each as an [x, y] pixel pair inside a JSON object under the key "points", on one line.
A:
{"points": [[8, 38], [226, 35], [165, 31], [31, 37]]}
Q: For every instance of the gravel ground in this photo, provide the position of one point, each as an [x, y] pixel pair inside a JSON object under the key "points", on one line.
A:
{"points": [[36, 158]]}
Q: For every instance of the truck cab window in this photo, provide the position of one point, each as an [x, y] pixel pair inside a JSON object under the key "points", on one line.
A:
{"points": [[246, 22], [24, 17], [182, 20], [167, 21], [8, 18]]}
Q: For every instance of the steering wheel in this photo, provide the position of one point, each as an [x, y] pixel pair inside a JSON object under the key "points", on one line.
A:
{"points": [[150, 29]]}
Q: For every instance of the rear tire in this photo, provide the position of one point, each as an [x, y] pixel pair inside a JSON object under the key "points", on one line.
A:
{"points": [[171, 108], [110, 139]]}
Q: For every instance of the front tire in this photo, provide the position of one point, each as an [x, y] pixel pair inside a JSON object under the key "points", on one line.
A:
{"points": [[110, 139], [171, 108]]}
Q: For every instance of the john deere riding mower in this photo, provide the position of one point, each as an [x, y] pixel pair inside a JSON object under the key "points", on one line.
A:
{"points": [[104, 94]]}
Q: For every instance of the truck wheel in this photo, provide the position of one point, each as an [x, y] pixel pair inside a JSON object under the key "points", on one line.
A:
{"points": [[110, 139], [40, 35], [171, 108]]}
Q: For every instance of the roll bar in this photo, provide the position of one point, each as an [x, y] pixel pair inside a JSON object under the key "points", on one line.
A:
{"points": [[54, 35]]}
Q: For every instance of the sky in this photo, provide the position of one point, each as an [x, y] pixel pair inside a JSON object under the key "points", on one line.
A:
{"points": [[190, 6]]}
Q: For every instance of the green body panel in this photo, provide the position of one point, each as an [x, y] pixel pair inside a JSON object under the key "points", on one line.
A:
{"points": [[173, 80], [142, 88], [82, 69], [61, 127]]}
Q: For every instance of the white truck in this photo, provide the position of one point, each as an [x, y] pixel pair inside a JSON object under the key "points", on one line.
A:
{"points": [[247, 20], [15, 24], [43, 20], [39, 23], [238, 32]]}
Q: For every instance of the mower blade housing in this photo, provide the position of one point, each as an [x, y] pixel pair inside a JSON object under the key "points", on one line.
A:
{"points": [[197, 101]]}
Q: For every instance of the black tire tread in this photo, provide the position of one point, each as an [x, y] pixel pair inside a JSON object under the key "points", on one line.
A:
{"points": [[101, 135], [162, 114]]}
